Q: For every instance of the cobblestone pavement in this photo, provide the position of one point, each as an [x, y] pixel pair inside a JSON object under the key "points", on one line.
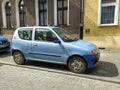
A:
{"points": [[109, 65], [18, 78], [107, 68]]}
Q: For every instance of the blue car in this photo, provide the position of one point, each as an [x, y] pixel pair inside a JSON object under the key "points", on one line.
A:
{"points": [[4, 44], [53, 45]]}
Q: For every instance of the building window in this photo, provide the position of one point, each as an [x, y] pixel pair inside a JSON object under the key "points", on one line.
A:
{"points": [[22, 13], [108, 12], [42, 13], [62, 12], [8, 14]]}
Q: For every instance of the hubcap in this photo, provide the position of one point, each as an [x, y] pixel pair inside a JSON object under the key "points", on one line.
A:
{"points": [[76, 65], [18, 57]]}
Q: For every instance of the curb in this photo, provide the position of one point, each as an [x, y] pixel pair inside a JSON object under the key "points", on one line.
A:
{"points": [[115, 81]]}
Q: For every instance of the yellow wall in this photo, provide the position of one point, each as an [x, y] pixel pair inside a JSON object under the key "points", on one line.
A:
{"points": [[103, 36]]}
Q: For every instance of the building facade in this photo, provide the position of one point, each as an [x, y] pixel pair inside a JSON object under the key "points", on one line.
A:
{"points": [[19, 13], [102, 22]]}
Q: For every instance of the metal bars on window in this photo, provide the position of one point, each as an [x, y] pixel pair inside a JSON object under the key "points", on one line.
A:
{"points": [[107, 14], [108, 11]]}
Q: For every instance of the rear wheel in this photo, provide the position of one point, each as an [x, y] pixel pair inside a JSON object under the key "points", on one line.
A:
{"points": [[19, 58], [77, 64]]}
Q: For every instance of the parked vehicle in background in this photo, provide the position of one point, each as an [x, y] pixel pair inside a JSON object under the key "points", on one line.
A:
{"points": [[4, 44], [54, 45]]}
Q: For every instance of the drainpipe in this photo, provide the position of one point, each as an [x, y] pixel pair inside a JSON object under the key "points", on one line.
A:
{"points": [[81, 18], [0, 18]]}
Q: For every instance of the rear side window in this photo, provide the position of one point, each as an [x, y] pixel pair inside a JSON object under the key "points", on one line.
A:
{"points": [[25, 34]]}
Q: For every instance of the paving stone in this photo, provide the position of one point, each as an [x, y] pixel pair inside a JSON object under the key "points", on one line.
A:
{"points": [[18, 78]]}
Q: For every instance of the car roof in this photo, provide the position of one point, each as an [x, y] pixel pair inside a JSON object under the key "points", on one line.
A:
{"points": [[51, 27]]}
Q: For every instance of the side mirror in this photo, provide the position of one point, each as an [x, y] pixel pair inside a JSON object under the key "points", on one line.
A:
{"points": [[57, 41]]}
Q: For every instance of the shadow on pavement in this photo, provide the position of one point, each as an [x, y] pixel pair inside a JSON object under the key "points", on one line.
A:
{"points": [[47, 65], [104, 69], [5, 54]]}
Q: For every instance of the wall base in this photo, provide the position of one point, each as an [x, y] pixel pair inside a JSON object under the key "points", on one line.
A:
{"points": [[109, 42]]}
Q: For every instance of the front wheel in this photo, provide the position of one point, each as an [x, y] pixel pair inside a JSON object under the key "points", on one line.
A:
{"points": [[19, 58], [77, 65]]}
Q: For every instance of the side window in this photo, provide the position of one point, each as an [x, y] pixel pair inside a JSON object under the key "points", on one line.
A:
{"points": [[44, 35], [25, 34]]}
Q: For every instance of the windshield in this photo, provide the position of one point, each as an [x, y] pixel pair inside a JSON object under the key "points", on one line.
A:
{"points": [[65, 36]]}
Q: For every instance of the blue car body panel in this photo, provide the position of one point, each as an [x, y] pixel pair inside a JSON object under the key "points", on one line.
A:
{"points": [[55, 52], [4, 45]]}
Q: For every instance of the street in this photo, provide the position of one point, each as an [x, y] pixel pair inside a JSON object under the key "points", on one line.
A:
{"points": [[44, 76], [17, 78]]}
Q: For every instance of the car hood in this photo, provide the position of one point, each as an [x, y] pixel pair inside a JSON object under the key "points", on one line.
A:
{"points": [[84, 44], [2, 38]]}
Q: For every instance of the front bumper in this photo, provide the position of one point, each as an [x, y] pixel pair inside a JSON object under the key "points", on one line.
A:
{"points": [[92, 60], [5, 48]]}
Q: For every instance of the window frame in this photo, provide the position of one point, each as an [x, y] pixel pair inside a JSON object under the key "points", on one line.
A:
{"points": [[116, 4], [43, 30], [62, 9], [56, 13], [22, 14], [8, 14], [44, 10]]}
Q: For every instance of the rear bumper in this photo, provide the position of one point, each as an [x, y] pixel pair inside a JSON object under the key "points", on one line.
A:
{"points": [[12, 50], [92, 60]]}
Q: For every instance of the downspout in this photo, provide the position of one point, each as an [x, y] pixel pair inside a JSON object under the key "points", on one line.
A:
{"points": [[81, 18], [0, 17]]}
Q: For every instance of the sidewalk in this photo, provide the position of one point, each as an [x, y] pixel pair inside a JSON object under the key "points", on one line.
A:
{"points": [[18, 78]]}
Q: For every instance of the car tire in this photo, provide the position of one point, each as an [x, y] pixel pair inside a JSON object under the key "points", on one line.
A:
{"points": [[77, 64], [19, 58]]}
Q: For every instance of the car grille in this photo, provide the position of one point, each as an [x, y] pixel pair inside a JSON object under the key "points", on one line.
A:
{"points": [[3, 42]]}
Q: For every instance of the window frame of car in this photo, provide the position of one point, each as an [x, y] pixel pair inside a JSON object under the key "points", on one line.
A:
{"points": [[25, 29], [47, 29]]}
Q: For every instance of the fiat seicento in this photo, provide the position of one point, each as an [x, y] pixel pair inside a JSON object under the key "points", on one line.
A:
{"points": [[53, 45]]}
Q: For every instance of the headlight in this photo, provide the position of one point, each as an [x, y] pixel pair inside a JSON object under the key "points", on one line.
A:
{"points": [[94, 52], [0, 42]]}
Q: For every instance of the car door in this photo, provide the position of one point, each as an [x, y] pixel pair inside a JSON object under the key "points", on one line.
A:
{"points": [[44, 48], [24, 41]]}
